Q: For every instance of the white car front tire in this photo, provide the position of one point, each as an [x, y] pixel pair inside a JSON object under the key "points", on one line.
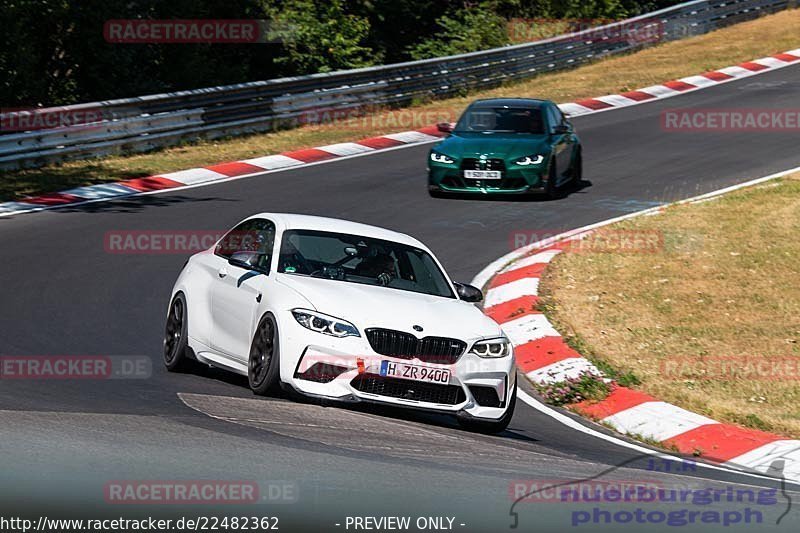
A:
{"points": [[263, 365], [176, 335]]}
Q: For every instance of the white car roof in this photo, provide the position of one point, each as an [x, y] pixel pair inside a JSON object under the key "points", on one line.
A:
{"points": [[289, 221]]}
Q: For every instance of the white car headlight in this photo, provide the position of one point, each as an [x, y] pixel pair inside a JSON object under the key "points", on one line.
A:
{"points": [[530, 160], [325, 324], [492, 348], [441, 158]]}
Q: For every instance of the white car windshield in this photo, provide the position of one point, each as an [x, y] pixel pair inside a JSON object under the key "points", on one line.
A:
{"points": [[357, 259]]}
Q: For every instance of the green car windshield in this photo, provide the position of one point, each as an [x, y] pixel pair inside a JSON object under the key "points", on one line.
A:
{"points": [[501, 120]]}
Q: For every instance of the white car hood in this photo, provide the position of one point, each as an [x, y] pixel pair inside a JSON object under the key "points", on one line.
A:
{"points": [[368, 306]]}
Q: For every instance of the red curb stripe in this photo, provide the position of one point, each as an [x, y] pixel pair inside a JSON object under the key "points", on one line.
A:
{"points": [[235, 168], [621, 398], [310, 155], [432, 130], [542, 352], [532, 271], [755, 67], [591, 103], [512, 309], [380, 142], [717, 75], [676, 85], [56, 198], [721, 442], [639, 96], [152, 183], [786, 57]]}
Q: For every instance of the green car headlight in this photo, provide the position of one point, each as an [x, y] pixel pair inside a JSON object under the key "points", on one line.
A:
{"points": [[325, 324], [492, 348], [530, 160], [441, 158]]}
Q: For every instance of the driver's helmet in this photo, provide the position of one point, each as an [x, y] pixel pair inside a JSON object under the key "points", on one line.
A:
{"points": [[376, 263]]}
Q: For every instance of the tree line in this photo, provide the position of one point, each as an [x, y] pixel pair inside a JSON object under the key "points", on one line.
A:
{"points": [[55, 52]]}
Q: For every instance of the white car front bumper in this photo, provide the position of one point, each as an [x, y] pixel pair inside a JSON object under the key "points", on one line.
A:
{"points": [[477, 387]]}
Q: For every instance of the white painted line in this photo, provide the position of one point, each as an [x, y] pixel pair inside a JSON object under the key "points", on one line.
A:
{"points": [[563, 370], [528, 328], [575, 425], [105, 190], [272, 162], [762, 458], [657, 420], [194, 176], [616, 100], [770, 62], [9, 208], [736, 72], [574, 110], [411, 137], [698, 81], [345, 148], [535, 259], [223, 180], [660, 91], [511, 291], [795, 52]]}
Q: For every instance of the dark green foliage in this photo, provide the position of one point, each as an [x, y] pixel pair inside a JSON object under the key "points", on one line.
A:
{"points": [[54, 52]]}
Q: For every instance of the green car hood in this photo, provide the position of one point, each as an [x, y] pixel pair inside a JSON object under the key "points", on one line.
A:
{"points": [[494, 145]]}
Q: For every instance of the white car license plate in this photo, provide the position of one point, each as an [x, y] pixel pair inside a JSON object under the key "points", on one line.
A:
{"points": [[483, 174], [415, 372]]}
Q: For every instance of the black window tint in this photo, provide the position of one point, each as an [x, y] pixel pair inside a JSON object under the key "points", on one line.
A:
{"points": [[501, 119], [363, 260], [255, 235]]}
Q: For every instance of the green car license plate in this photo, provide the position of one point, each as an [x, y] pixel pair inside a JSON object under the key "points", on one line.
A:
{"points": [[483, 174]]}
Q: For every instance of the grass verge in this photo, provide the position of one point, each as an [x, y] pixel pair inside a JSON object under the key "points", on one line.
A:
{"points": [[710, 320], [742, 42], [585, 387]]}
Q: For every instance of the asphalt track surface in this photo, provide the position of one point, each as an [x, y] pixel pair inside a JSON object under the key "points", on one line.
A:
{"points": [[63, 294]]}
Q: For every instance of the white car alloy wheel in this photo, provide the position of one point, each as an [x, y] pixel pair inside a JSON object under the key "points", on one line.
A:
{"points": [[263, 362], [175, 341]]}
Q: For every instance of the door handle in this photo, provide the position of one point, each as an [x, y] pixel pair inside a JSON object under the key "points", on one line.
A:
{"points": [[222, 272]]}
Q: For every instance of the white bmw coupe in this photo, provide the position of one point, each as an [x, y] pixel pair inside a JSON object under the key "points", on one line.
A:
{"points": [[343, 311]]}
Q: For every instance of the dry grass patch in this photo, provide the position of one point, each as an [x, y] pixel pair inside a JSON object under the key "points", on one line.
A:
{"points": [[724, 289], [742, 42]]}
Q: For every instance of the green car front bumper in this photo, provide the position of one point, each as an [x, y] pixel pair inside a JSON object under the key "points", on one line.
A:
{"points": [[515, 179]]}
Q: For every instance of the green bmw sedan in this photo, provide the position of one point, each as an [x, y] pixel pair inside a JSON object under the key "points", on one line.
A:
{"points": [[506, 146]]}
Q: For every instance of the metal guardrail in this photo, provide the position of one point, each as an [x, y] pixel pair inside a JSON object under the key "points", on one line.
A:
{"points": [[148, 122]]}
